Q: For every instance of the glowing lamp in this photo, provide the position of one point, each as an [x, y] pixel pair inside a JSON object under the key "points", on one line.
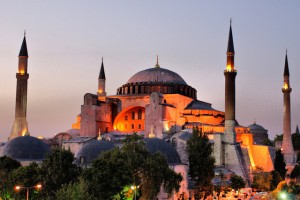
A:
{"points": [[17, 188], [285, 86], [38, 186]]}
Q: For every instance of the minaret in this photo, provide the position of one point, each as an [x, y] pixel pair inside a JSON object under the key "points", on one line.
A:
{"points": [[101, 82], [287, 145], [230, 74], [20, 127]]}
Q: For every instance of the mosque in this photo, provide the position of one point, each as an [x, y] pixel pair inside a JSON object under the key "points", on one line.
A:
{"points": [[160, 105]]}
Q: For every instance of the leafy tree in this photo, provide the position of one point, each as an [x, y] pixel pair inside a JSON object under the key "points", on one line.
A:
{"points": [[130, 165], [237, 182], [27, 176], [58, 169], [201, 161], [276, 179], [279, 163], [74, 191], [261, 180], [296, 172], [7, 165]]}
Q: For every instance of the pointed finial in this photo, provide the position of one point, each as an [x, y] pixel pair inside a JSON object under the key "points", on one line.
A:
{"points": [[286, 66], [254, 121], [297, 129], [230, 21], [102, 72], [102, 59], [24, 32], [157, 65]]}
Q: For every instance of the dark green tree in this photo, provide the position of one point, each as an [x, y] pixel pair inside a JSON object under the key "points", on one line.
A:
{"points": [[276, 179], [279, 163], [296, 172], [74, 191], [7, 165], [201, 161], [27, 176], [131, 165], [237, 182], [261, 180], [58, 169]]}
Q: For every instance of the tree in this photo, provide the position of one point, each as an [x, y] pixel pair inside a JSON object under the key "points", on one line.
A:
{"points": [[279, 163], [74, 191], [131, 165], [237, 182], [276, 179], [27, 176], [261, 180], [296, 172], [201, 161], [58, 169], [7, 165]]}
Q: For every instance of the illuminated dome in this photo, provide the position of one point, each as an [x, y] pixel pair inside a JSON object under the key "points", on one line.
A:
{"points": [[157, 75], [157, 79], [25, 148], [256, 127]]}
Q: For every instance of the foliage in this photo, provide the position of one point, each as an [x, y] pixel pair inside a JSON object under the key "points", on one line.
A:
{"points": [[7, 165], [201, 161], [58, 169], [237, 182], [279, 164], [267, 142], [261, 180], [27, 176], [296, 141], [130, 165], [296, 172], [276, 178], [74, 191]]}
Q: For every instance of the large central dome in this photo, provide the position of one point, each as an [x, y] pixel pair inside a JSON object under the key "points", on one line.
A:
{"points": [[157, 75], [157, 79]]}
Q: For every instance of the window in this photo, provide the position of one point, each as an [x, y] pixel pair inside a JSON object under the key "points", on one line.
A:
{"points": [[132, 126], [132, 115], [126, 117], [140, 114], [140, 126]]}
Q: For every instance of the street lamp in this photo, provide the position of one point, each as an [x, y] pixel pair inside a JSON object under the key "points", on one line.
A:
{"points": [[134, 188], [18, 188]]}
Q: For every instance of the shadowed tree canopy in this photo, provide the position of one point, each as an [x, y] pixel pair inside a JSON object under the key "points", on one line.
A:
{"points": [[279, 164], [237, 182], [201, 161], [131, 165]]}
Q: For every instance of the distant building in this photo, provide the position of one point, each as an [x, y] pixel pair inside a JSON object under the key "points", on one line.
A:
{"points": [[260, 134]]}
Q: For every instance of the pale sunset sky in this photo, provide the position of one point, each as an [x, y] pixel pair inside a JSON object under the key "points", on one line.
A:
{"points": [[66, 40]]}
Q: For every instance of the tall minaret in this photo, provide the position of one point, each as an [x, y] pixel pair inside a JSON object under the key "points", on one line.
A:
{"points": [[230, 74], [101, 82], [287, 145], [20, 127]]}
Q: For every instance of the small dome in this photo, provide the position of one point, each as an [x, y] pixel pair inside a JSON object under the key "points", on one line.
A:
{"points": [[25, 148], [157, 75], [256, 127], [92, 151], [158, 145]]}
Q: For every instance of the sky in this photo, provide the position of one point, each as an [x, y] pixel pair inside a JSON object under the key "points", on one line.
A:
{"points": [[67, 39]]}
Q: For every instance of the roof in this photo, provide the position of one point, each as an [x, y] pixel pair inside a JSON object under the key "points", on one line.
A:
{"points": [[102, 72], [286, 67], [158, 145], [25, 148], [198, 105], [157, 75], [256, 127], [92, 150], [230, 46], [23, 50]]}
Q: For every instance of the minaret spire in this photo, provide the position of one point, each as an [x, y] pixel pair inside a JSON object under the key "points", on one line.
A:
{"points": [[20, 126], [101, 82], [287, 145], [230, 51]]}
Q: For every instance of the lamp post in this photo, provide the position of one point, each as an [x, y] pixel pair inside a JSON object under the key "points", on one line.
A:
{"points": [[38, 186], [134, 188]]}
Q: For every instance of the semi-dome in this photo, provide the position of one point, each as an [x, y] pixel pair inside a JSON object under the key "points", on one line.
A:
{"points": [[256, 127], [158, 145], [91, 151], [157, 75], [25, 148], [157, 79]]}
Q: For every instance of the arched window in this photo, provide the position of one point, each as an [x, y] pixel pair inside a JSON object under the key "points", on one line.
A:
{"points": [[132, 115], [126, 117], [140, 114]]}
